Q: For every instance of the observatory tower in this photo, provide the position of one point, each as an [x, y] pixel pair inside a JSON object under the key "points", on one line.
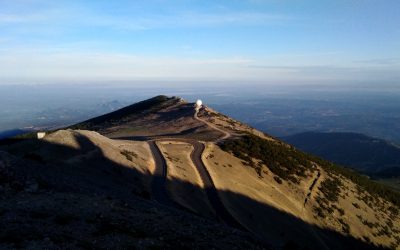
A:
{"points": [[198, 104]]}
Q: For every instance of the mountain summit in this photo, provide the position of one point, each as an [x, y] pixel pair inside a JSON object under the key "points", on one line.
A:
{"points": [[163, 116], [163, 173]]}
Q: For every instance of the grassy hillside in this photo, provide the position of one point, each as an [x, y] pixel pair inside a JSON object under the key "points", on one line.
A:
{"points": [[338, 198], [290, 164], [285, 162]]}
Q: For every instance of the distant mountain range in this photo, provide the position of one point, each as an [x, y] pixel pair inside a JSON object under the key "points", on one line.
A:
{"points": [[372, 156], [13, 132]]}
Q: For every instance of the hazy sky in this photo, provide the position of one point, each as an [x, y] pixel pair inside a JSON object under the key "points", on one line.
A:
{"points": [[271, 41]]}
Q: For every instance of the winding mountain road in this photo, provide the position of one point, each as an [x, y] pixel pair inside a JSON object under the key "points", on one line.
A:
{"points": [[226, 134], [159, 190]]}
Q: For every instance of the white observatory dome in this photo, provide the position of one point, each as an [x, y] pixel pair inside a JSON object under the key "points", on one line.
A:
{"points": [[199, 103]]}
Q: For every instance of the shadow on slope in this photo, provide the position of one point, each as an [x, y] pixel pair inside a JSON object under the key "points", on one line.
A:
{"points": [[47, 202], [84, 170], [95, 175], [372, 156]]}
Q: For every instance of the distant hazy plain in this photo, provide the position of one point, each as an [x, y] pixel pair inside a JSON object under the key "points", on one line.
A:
{"points": [[279, 110]]}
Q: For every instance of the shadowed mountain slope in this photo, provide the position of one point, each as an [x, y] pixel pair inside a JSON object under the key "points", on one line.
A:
{"points": [[128, 113], [369, 155], [90, 199]]}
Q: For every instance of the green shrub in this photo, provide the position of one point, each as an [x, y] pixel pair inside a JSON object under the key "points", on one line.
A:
{"points": [[363, 182], [368, 223], [285, 162], [331, 189], [345, 226], [278, 180], [128, 154], [341, 211], [320, 212]]}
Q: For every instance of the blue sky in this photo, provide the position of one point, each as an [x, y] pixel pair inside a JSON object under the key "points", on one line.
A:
{"points": [[255, 40]]}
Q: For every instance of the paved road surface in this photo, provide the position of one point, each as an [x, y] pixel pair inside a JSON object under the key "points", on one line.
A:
{"points": [[158, 185], [226, 133], [211, 191]]}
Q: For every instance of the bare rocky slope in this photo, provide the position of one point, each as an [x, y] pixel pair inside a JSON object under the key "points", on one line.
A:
{"points": [[161, 173]]}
